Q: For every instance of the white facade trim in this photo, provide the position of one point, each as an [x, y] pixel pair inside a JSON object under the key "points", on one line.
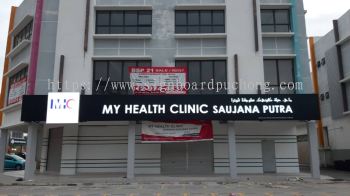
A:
{"points": [[16, 69], [20, 47], [201, 36], [121, 36], [200, 6]]}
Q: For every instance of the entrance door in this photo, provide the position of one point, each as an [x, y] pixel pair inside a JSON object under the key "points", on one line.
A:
{"points": [[187, 158], [54, 150], [269, 156]]}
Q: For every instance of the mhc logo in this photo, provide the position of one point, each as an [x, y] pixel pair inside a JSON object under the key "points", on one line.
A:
{"points": [[62, 103], [63, 108]]}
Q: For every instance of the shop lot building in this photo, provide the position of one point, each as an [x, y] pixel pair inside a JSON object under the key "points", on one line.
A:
{"points": [[84, 42], [332, 69]]}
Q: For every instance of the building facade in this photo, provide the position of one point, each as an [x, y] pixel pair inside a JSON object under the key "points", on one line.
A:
{"points": [[57, 47], [332, 65]]}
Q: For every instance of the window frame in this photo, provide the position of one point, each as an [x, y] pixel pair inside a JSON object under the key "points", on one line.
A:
{"points": [[22, 74], [203, 91], [124, 25], [278, 85], [200, 25], [107, 92], [275, 25], [24, 34]]}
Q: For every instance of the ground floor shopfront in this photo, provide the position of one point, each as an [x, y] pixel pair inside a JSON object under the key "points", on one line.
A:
{"points": [[244, 147]]}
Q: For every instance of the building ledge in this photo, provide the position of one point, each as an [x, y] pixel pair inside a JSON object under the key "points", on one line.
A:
{"points": [[275, 5], [25, 20], [346, 79], [278, 34], [12, 107], [122, 36], [16, 69], [201, 36], [219, 6], [18, 48], [279, 56], [342, 41], [204, 57], [123, 7], [122, 58], [346, 113]]}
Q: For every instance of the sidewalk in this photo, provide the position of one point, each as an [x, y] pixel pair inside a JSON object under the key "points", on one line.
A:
{"points": [[9, 179]]}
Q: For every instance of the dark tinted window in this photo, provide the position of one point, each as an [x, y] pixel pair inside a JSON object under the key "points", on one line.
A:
{"points": [[278, 72], [109, 72], [124, 22], [275, 20], [200, 21], [205, 71]]}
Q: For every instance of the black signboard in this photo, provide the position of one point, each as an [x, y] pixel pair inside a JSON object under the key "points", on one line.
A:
{"points": [[183, 107]]}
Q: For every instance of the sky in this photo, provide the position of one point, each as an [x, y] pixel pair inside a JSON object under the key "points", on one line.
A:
{"points": [[320, 14]]}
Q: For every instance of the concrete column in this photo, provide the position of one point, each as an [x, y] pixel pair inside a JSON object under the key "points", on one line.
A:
{"points": [[131, 150], [29, 171], [314, 150], [232, 150], [3, 145]]}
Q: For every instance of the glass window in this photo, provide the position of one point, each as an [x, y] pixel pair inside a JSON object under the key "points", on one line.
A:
{"points": [[145, 18], [130, 18], [24, 34], [181, 18], [218, 18], [278, 72], [206, 18], [117, 18], [282, 17], [193, 17], [285, 68], [101, 68], [200, 21], [102, 18], [124, 22], [117, 71], [275, 20], [205, 71], [271, 72]]}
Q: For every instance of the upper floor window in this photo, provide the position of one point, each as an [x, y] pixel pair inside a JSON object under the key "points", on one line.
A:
{"points": [[124, 22], [200, 21], [112, 74], [17, 87], [279, 73], [24, 34], [275, 21], [202, 73]]}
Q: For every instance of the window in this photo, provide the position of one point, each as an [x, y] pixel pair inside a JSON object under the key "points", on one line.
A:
{"points": [[275, 21], [24, 34], [205, 71], [124, 22], [17, 86], [279, 73], [200, 21], [109, 72]]}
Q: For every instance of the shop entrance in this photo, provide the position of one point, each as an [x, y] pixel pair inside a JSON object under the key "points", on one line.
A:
{"points": [[187, 158]]}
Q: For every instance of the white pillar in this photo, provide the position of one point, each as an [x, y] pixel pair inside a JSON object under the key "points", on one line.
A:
{"points": [[232, 150], [314, 150], [31, 151], [3, 145], [131, 150]]}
